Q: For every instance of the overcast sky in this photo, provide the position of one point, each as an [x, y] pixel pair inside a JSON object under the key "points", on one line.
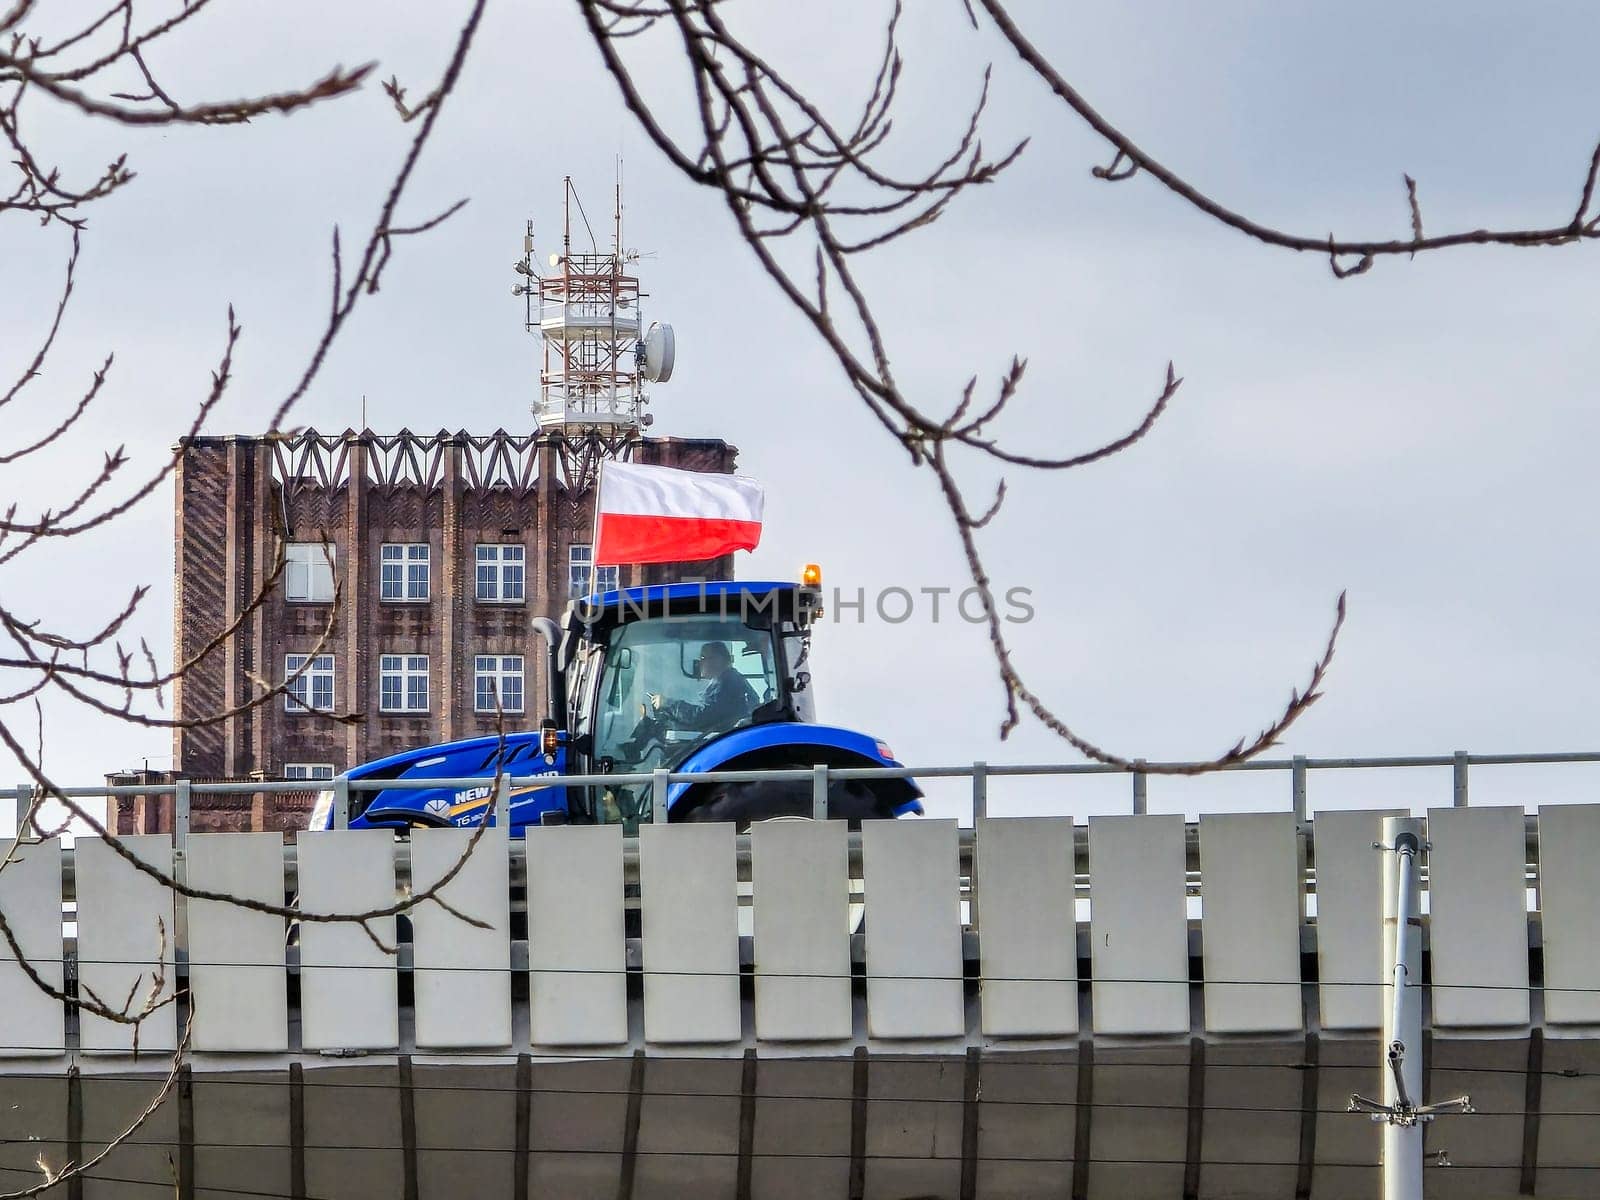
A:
{"points": [[1422, 436]]}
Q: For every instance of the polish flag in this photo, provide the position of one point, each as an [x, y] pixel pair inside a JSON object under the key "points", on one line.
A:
{"points": [[662, 514]]}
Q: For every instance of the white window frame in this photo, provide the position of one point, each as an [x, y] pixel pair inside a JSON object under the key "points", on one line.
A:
{"points": [[584, 578], [495, 669], [308, 572], [496, 558], [408, 670], [310, 772], [313, 690], [413, 571]]}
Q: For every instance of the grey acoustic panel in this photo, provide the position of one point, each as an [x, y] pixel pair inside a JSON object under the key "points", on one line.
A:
{"points": [[1478, 916], [242, 1131], [30, 898], [1028, 929], [1569, 900], [1138, 924], [236, 956], [112, 1102], [1251, 908], [365, 1159], [127, 941], [1349, 893], [690, 925], [466, 1132], [801, 876], [576, 948], [34, 1124], [912, 874], [348, 985], [462, 972]]}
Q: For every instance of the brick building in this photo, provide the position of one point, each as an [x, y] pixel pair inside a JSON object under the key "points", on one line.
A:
{"points": [[444, 548]]}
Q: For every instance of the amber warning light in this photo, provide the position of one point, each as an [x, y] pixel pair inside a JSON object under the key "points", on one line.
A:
{"points": [[811, 576]]}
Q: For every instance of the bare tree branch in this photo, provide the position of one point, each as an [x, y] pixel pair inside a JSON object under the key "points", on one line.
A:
{"points": [[1366, 249]]}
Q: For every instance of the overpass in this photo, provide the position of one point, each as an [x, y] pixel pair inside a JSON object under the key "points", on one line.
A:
{"points": [[1135, 1005]]}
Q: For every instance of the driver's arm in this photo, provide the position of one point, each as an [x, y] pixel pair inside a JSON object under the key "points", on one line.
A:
{"points": [[685, 712]]}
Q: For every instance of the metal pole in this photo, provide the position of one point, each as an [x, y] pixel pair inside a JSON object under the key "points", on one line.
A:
{"points": [[819, 792], [1297, 775], [658, 796], [180, 818], [1460, 774], [502, 802], [1141, 794], [341, 803], [23, 795], [1402, 1020], [181, 801], [980, 813]]}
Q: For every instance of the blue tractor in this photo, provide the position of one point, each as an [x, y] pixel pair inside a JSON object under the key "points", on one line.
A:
{"points": [[689, 677]]}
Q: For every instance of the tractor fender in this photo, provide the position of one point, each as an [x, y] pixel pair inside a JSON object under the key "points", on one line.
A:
{"points": [[838, 746]]}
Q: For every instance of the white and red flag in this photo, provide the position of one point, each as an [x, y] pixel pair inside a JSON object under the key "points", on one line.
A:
{"points": [[662, 514]]}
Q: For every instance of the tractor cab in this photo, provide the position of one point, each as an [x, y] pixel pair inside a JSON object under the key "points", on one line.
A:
{"points": [[654, 675]]}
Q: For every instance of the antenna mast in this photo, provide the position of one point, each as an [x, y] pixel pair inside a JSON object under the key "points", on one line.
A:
{"points": [[597, 353]]}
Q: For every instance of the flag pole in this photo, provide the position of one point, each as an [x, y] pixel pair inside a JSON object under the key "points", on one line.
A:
{"points": [[594, 527]]}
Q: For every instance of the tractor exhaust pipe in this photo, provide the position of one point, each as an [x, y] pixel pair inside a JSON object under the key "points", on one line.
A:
{"points": [[555, 680]]}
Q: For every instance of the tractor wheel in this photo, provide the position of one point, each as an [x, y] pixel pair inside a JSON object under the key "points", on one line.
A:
{"points": [[850, 800]]}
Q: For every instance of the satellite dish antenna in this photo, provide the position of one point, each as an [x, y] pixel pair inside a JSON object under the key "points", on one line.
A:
{"points": [[660, 351]]}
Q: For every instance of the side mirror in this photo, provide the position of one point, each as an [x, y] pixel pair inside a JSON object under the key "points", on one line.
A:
{"points": [[625, 658]]}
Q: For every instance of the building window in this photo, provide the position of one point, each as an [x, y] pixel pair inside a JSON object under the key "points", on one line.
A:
{"points": [[308, 572], [501, 570], [308, 771], [497, 675], [312, 688], [403, 683], [404, 572], [583, 577]]}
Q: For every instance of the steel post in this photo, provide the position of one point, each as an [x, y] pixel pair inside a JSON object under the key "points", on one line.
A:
{"points": [[1460, 775], [341, 803], [180, 817], [181, 801], [502, 802], [1141, 790], [658, 796], [980, 813], [1401, 1048], [819, 792]]}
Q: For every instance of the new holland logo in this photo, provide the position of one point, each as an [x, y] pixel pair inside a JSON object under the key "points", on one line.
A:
{"points": [[438, 806]]}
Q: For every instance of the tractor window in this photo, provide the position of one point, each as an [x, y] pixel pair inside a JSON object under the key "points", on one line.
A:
{"points": [[797, 661], [670, 683]]}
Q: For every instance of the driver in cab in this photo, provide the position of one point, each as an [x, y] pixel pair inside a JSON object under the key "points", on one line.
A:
{"points": [[727, 700]]}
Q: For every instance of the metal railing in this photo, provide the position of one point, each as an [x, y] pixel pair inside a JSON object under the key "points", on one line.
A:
{"points": [[980, 774]]}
